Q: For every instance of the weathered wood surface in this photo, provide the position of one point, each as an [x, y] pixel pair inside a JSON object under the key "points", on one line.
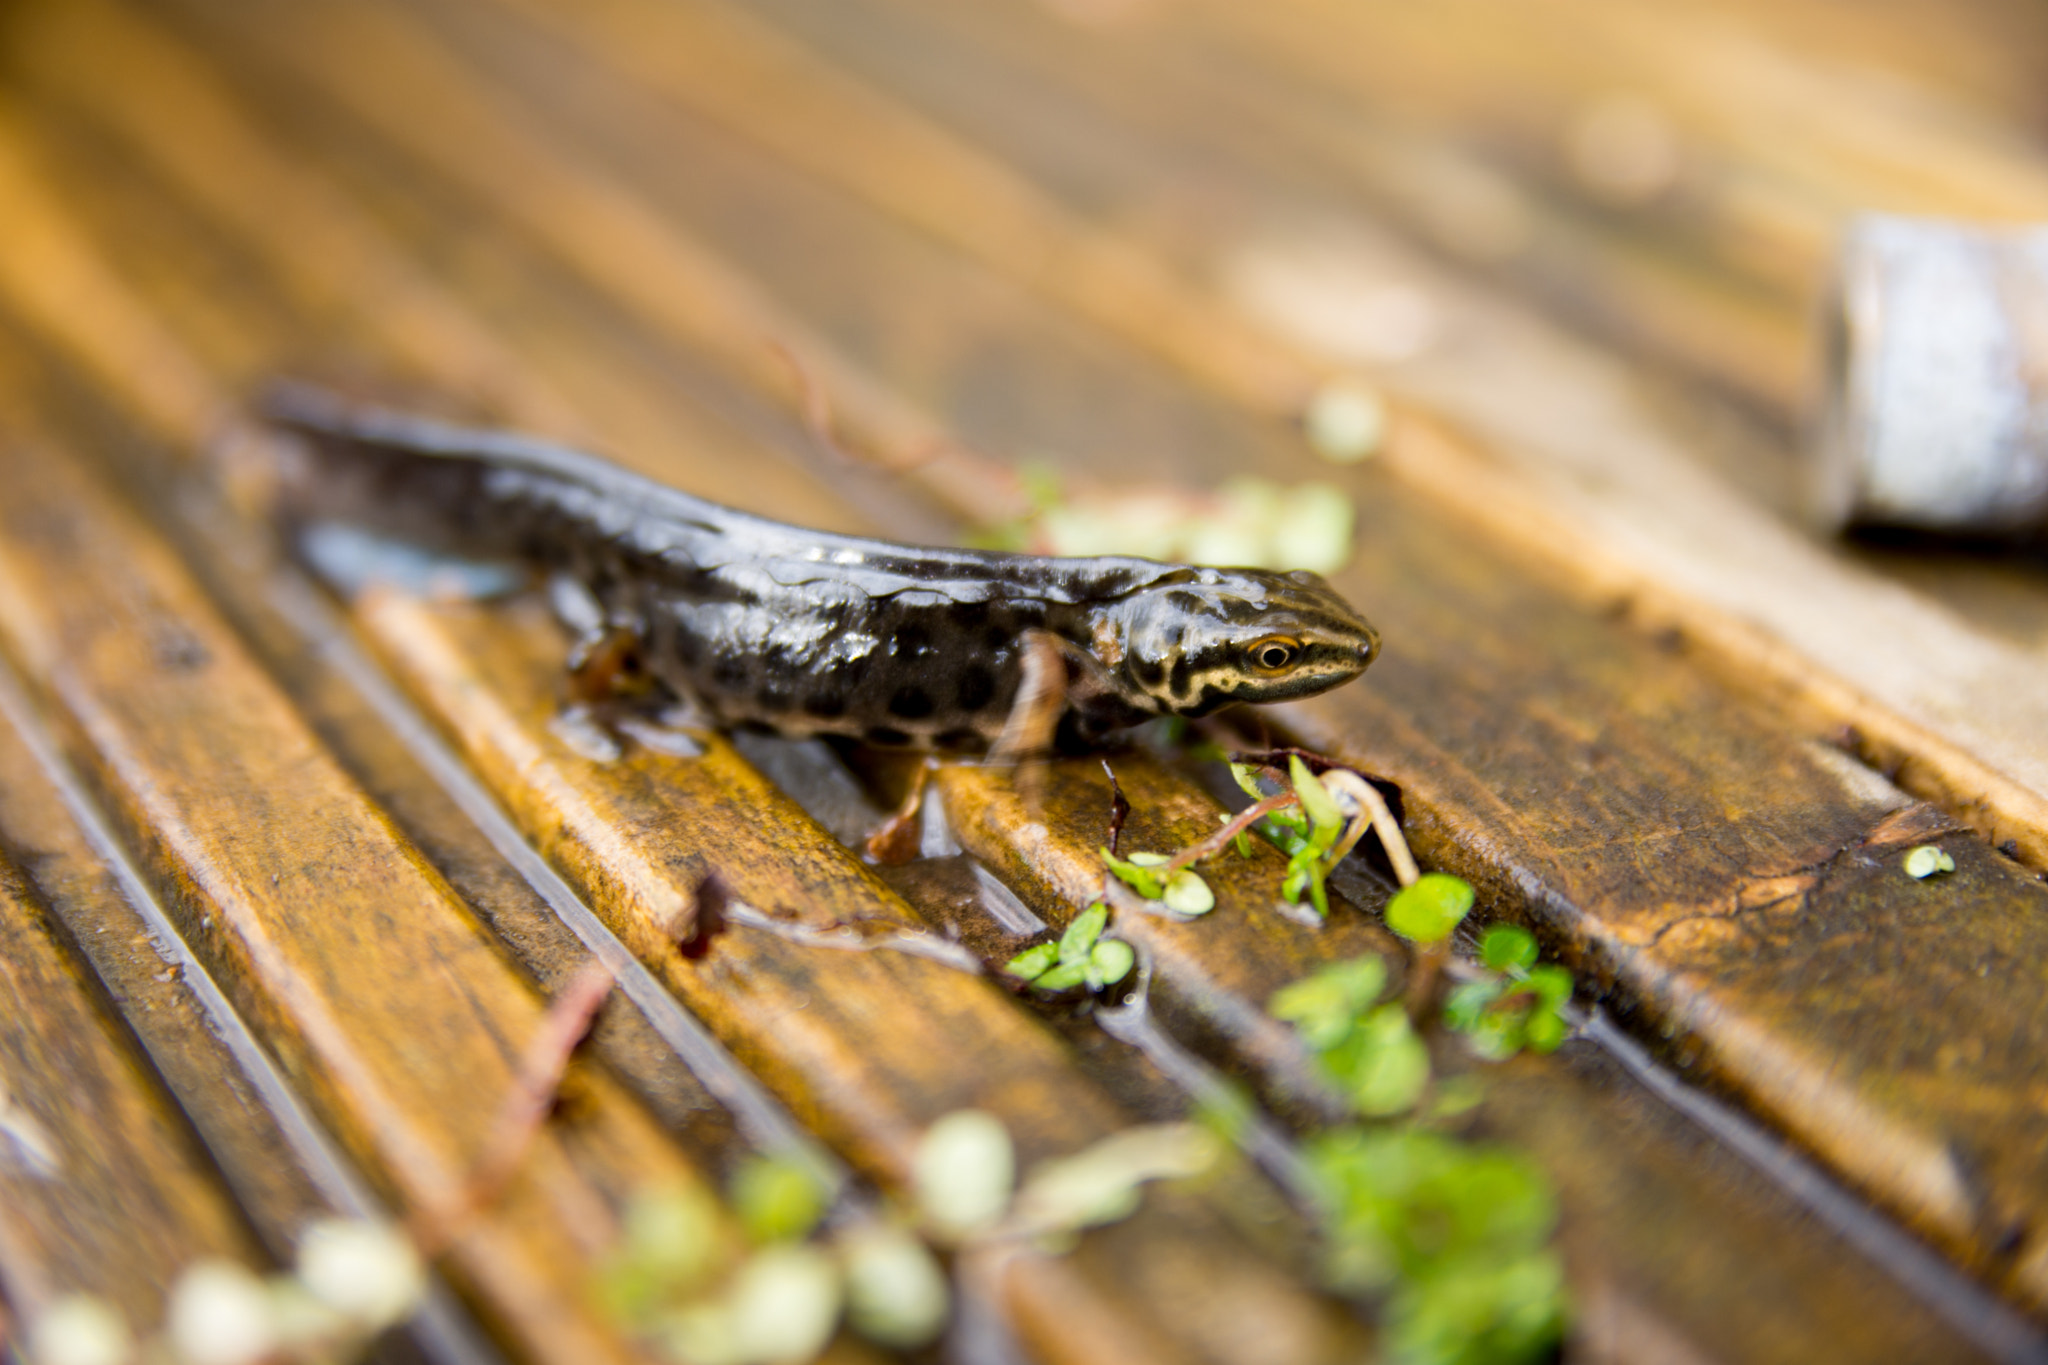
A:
{"points": [[816, 980], [102, 1186], [600, 223]]}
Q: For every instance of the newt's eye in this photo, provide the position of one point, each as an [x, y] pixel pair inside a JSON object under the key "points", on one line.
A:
{"points": [[1274, 653]]}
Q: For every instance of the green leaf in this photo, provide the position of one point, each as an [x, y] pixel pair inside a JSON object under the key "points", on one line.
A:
{"points": [[1188, 894], [784, 1303], [1079, 940], [1466, 1005], [1288, 829], [1139, 878], [1479, 1310], [964, 1172], [673, 1233], [1552, 985], [1508, 948], [1064, 977], [1430, 908], [1033, 962], [1323, 811], [1104, 1183], [1323, 1007], [1247, 781], [1112, 960], [1381, 1065], [1298, 873], [1498, 1034], [896, 1291], [1546, 1031], [777, 1200], [1926, 861]]}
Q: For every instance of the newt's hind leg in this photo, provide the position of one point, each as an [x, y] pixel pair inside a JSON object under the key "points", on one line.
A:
{"points": [[610, 686], [898, 838]]}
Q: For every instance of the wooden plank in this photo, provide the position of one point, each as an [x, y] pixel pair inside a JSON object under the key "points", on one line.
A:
{"points": [[289, 884], [1650, 1287], [715, 322], [1661, 1287], [1614, 498], [160, 1007], [103, 1188], [1706, 862], [1052, 1323], [810, 984], [1213, 975]]}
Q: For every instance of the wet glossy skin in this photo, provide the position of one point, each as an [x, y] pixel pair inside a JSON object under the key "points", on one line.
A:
{"points": [[808, 633]]}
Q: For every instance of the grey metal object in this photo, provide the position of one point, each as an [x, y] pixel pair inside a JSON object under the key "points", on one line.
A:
{"points": [[1936, 408]]}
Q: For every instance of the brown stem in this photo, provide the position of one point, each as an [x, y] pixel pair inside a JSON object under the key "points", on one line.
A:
{"points": [[1383, 824], [1215, 843], [1119, 808], [523, 1111], [1420, 992]]}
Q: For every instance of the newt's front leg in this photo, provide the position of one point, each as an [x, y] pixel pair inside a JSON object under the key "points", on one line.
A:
{"points": [[1041, 700]]}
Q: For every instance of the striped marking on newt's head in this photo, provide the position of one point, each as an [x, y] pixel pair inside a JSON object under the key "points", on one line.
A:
{"points": [[1218, 637]]}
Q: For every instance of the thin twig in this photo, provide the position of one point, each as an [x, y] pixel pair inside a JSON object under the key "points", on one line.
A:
{"points": [[816, 406], [1119, 808], [1218, 841], [524, 1109], [1383, 824]]}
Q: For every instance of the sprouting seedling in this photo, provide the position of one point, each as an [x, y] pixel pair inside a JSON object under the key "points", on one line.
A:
{"points": [[1927, 860], [1450, 1238], [1313, 827], [1368, 1051], [352, 1280], [967, 1190], [1169, 881], [1514, 1003], [1081, 957], [682, 1281]]}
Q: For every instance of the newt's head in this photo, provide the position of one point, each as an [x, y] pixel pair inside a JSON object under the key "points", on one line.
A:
{"points": [[1217, 637]]}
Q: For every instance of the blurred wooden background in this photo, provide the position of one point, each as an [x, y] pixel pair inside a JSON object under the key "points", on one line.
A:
{"points": [[284, 883]]}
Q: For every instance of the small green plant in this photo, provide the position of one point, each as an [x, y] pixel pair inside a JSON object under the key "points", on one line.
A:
{"points": [[967, 1191], [1311, 832], [1081, 957], [1514, 1003], [352, 1280], [1451, 1238], [1154, 876], [698, 1290], [1927, 860], [683, 1282], [1366, 1050], [1430, 908]]}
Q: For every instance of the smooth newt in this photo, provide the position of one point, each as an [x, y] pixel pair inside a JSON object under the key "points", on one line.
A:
{"points": [[752, 622]]}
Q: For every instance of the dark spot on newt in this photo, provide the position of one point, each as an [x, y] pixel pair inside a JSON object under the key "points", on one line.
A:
{"points": [[825, 705], [911, 703], [887, 735], [977, 687]]}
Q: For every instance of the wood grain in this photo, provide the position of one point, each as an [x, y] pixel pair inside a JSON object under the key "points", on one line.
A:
{"points": [[103, 1189], [866, 1039], [290, 885]]}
